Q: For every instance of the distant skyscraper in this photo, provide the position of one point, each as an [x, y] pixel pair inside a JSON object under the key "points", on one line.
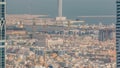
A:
{"points": [[2, 33], [102, 35], [105, 34], [60, 17], [59, 8], [118, 35]]}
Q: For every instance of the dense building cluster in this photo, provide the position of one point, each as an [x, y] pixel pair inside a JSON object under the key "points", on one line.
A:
{"points": [[53, 46]]}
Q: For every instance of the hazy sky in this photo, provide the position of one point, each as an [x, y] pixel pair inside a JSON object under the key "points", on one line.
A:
{"points": [[71, 7]]}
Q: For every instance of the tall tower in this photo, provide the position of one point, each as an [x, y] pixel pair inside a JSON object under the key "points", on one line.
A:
{"points": [[2, 33], [59, 8], [118, 35], [60, 17]]}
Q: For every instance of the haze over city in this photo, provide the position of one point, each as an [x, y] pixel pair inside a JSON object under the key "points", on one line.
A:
{"points": [[71, 8], [59, 34]]}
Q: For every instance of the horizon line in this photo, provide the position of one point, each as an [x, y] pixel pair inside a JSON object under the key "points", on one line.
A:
{"points": [[98, 16]]}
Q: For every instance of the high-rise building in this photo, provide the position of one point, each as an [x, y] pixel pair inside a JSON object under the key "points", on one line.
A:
{"points": [[60, 17], [2, 33], [59, 8], [118, 35], [105, 34]]}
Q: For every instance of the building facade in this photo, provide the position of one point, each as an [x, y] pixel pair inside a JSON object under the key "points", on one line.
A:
{"points": [[118, 35], [2, 33]]}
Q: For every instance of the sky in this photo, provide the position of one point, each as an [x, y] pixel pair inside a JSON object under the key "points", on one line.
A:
{"points": [[71, 8]]}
